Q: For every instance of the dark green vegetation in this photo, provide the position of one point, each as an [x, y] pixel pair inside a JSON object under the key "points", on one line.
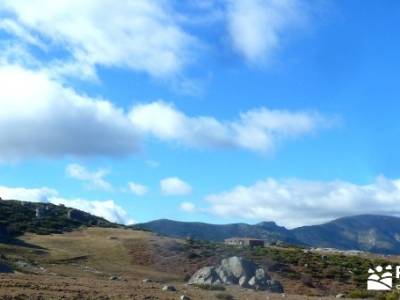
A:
{"points": [[316, 273], [17, 217], [377, 234], [315, 268], [210, 287]]}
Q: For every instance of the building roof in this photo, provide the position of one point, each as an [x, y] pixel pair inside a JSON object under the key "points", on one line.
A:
{"points": [[243, 239]]}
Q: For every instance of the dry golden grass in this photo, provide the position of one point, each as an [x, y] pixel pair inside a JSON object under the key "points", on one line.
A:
{"points": [[78, 265]]}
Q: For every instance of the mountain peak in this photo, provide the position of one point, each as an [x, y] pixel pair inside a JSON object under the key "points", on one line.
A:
{"points": [[267, 224]]}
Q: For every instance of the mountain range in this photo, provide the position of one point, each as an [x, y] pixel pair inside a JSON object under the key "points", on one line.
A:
{"points": [[372, 233]]}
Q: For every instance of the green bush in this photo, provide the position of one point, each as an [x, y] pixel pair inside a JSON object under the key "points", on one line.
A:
{"points": [[210, 287], [360, 294], [389, 296]]}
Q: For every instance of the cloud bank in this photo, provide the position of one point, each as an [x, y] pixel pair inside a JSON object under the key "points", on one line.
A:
{"points": [[106, 209], [155, 37], [256, 130], [295, 202], [49, 119]]}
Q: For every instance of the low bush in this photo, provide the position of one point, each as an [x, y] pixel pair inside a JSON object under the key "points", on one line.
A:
{"points": [[210, 287]]}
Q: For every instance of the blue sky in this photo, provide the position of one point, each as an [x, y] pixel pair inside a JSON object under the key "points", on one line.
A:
{"points": [[216, 111]]}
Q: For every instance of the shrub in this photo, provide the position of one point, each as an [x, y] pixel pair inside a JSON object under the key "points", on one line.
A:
{"points": [[210, 287], [360, 294], [389, 296]]}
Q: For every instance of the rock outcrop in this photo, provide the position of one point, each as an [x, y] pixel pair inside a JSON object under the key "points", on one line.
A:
{"points": [[169, 288], [239, 271]]}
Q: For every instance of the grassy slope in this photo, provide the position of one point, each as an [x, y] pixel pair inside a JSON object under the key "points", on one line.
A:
{"points": [[102, 252]]}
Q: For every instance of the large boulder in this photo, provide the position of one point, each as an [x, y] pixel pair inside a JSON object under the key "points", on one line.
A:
{"points": [[206, 275], [236, 270], [265, 283], [238, 267]]}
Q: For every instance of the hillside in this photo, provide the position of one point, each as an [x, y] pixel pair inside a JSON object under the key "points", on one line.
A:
{"points": [[111, 263], [373, 233], [268, 231], [85, 260], [18, 217], [378, 234]]}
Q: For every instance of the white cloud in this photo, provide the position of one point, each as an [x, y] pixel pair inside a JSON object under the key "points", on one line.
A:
{"points": [[49, 119], [39, 117], [107, 209], [42, 194], [257, 130], [256, 26], [139, 35], [175, 186], [138, 189], [299, 202], [188, 207], [20, 32], [94, 180]]}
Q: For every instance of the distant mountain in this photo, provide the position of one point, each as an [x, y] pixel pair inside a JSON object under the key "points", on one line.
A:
{"points": [[268, 231], [18, 217], [373, 233]]}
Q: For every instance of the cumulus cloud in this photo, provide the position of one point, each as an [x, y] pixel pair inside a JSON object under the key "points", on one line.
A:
{"points": [[139, 35], [296, 202], [256, 26], [150, 36], [257, 130], [188, 207], [137, 188], [42, 194], [107, 209], [49, 119], [40, 117], [94, 180], [175, 186]]}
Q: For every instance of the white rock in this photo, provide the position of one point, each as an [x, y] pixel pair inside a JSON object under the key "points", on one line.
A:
{"points": [[169, 288]]}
